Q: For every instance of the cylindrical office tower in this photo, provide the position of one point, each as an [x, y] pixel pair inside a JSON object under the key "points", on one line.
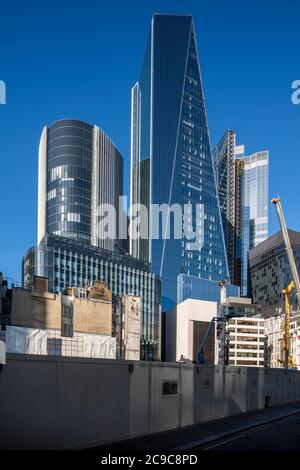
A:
{"points": [[79, 169]]}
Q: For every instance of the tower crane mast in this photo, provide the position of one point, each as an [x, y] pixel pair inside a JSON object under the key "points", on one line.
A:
{"points": [[294, 284], [288, 247]]}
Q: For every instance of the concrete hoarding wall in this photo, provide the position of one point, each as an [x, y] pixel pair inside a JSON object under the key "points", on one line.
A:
{"points": [[51, 402]]}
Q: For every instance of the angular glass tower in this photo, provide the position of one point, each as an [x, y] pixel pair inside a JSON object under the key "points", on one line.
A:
{"points": [[171, 159]]}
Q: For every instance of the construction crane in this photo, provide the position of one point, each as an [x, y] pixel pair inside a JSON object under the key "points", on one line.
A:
{"points": [[294, 284], [200, 353], [219, 321], [289, 361], [224, 314]]}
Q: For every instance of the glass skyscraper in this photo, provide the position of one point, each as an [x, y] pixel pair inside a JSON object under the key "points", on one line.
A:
{"points": [[252, 202], [224, 161], [79, 169], [190, 287], [242, 183], [171, 159], [257, 195], [242, 228]]}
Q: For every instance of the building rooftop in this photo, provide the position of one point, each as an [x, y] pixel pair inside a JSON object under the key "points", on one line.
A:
{"points": [[50, 241], [272, 242], [239, 300]]}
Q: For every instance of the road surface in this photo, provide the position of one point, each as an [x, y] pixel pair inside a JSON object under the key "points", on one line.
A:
{"points": [[272, 428], [283, 434]]}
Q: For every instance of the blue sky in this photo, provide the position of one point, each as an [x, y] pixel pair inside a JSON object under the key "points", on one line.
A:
{"points": [[80, 59]]}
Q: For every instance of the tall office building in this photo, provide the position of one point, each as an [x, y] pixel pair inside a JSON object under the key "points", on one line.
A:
{"points": [[242, 183], [257, 195], [253, 171], [270, 272], [224, 161], [79, 169], [171, 159], [242, 228]]}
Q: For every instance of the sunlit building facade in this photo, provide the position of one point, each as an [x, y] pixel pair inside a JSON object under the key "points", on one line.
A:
{"points": [[251, 209], [257, 195], [69, 263], [270, 272], [242, 224], [171, 159], [79, 169], [247, 341]]}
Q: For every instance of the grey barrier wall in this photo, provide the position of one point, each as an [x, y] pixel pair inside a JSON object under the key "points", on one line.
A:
{"points": [[58, 402]]}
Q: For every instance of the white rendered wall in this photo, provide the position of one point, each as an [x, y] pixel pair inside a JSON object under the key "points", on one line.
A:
{"points": [[179, 326]]}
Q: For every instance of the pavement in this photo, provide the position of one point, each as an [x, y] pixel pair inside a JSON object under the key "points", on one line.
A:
{"points": [[271, 428], [280, 435]]}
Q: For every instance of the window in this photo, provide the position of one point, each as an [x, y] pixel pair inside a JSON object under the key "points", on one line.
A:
{"points": [[73, 217], [51, 194], [82, 293], [67, 330], [67, 311]]}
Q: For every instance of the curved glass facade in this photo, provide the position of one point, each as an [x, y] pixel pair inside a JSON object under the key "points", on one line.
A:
{"points": [[69, 175], [79, 170]]}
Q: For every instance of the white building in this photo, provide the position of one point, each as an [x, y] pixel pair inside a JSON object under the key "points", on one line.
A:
{"points": [[186, 325], [247, 341], [274, 328]]}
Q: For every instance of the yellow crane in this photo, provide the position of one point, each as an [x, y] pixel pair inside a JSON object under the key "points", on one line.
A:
{"points": [[289, 361], [294, 284]]}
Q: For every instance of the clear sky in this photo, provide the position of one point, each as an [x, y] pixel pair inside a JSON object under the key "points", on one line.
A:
{"points": [[80, 59]]}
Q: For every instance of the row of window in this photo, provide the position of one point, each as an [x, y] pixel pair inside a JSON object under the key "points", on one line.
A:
{"points": [[70, 171]]}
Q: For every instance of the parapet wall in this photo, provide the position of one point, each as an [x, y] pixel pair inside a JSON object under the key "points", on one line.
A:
{"points": [[57, 402]]}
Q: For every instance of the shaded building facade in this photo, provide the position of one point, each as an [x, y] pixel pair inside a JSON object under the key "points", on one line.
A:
{"points": [[69, 263], [270, 272], [242, 183], [241, 226], [224, 161]]}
